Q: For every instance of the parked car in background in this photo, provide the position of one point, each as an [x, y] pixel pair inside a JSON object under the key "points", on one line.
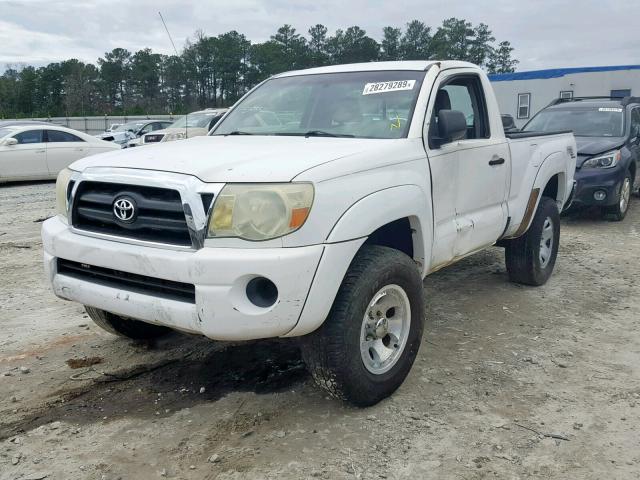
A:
{"points": [[607, 132], [40, 151], [113, 127], [8, 123], [194, 124], [126, 132], [315, 218]]}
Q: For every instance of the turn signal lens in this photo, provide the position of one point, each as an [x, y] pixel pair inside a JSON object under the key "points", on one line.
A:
{"points": [[298, 217]]}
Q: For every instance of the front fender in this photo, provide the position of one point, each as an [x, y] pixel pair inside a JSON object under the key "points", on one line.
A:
{"points": [[384, 206], [350, 233]]}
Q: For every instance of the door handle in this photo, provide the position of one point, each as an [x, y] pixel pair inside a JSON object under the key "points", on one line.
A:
{"points": [[40, 151], [496, 161]]}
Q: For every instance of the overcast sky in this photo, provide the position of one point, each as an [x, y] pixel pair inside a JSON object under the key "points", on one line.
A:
{"points": [[545, 33]]}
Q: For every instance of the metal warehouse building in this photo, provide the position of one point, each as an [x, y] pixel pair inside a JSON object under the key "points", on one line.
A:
{"points": [[523, 94]]}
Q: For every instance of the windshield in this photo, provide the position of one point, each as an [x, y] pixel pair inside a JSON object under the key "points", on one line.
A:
{"points": [[358, 104], [195, 120], [6, 131], [584, 122], [131, 127]]}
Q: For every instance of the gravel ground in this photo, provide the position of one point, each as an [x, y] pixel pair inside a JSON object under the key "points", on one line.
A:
{"points": [[511, 382]]}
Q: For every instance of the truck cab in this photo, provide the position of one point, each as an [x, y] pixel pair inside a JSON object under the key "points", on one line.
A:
{"points": [[313, 210]]}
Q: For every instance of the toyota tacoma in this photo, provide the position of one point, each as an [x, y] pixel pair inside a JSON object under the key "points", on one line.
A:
{"points": [[313, 210]]}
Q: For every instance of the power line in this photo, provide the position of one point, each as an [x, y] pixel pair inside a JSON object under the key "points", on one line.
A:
{"points": [[168, 34]]}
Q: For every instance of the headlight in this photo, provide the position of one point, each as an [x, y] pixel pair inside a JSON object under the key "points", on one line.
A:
{"points": [[62, 186], [173, 136], [607, 160], [260, 211]]}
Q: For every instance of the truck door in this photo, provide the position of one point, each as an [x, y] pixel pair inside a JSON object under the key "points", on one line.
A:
{"points": [[482, 164]]}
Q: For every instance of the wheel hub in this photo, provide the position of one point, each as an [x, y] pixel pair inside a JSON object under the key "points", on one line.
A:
{"points": [[625, 195], [381, 328], [546, 242], [385, 329]]}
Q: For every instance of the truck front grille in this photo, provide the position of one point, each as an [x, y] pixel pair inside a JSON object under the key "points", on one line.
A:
{"points": [[132, 282], [157, 213]]}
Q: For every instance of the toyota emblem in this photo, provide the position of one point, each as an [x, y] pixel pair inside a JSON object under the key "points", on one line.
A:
{"points": [[124, 208]]}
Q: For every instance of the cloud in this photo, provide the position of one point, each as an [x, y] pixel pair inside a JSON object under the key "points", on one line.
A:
{"points": [[545, 33], [23, 46]]}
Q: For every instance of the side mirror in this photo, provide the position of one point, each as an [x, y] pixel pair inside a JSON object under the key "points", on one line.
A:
{"points": [[452, 126], [508, 123], [10, 142]]}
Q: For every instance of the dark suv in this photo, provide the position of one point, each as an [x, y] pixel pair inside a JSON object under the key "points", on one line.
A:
{"points": [[607, 132]]}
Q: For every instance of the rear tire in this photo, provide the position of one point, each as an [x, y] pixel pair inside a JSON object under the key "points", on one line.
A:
{"points": [[530, 258], [124, 327], [368, 343], [618, 211]]}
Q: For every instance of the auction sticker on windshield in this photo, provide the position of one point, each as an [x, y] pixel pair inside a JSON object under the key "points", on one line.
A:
{"points": [[384, 87]]}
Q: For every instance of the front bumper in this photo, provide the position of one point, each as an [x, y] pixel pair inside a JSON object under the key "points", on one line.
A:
{"points": [[591, 180], [220, 275]]}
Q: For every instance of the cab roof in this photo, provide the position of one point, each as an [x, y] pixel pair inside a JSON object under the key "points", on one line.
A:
{"points": [[410, 65]]}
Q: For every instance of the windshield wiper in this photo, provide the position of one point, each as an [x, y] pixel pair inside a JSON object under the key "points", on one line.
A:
{"points": [[237, 132], [322, 133]]}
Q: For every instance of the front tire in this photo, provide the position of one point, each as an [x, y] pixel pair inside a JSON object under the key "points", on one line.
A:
{"points": [[368, 343], [618, 211], [531, 257], [125, 327]]}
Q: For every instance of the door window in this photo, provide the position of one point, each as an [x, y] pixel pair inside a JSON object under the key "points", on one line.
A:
{"points": [[146, 129], [635, 122], [58, 136], [30, 136], [466, 95], [625, 92]]}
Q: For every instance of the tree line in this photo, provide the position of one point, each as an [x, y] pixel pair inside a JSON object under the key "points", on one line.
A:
{"points": [[217, 70]]}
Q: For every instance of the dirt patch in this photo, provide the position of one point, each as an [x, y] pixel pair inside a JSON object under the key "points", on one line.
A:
{"points": [[510, 382], [83, 362]]}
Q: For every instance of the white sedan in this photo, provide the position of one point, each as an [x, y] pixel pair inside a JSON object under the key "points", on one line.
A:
{"points": [[39, 152]]}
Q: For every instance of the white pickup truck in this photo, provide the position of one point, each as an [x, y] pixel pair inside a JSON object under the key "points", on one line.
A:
{"points": [[313, 210]]}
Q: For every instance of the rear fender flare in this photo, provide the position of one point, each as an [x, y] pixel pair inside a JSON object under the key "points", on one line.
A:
{"points": [[554, 164]]}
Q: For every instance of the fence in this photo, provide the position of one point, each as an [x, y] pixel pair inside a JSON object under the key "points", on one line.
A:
{"points": [[95, 125]]}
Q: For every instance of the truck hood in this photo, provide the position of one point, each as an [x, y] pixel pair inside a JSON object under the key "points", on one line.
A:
{"points": [[236, 158]]}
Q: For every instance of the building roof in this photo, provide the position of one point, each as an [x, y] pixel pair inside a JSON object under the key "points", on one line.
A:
{"points": [[556, 72]]}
